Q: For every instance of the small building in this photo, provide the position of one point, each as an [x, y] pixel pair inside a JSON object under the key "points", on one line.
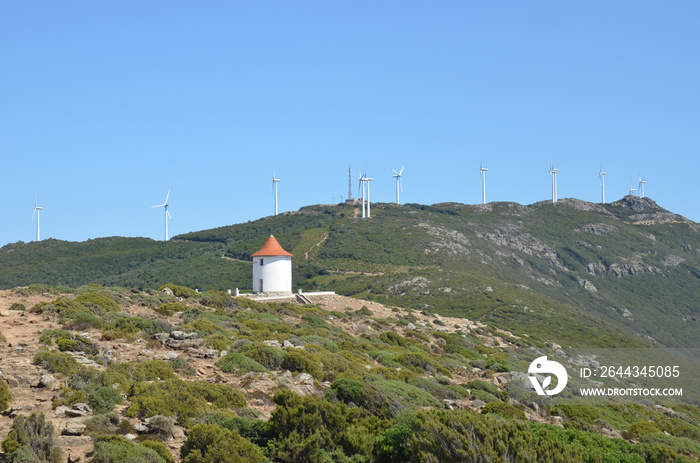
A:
{"points": [[272, 269]]}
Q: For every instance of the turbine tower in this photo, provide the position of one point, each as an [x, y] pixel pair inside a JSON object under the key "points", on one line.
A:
{"points": [[553, 174], [37, 209], [367, 180], [397, 176], [165, 207], [275, 181], [482, 171], [642, 181], [602, 180], [361, 186], [632, 190]]}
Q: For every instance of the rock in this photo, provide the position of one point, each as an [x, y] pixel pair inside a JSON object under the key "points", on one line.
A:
{"points": [[223, 353], [61, 410], [211, 353], [478, 403], [168, 291], [287, 343], [160, 357], [161, 337], [450, 404], [184, 344], [171, 355], [47, 381], [272, 343], [73, 429], [19, 410], [142, 426], [304, 378], [411, 326], [145, 353], [130, 436], [181, 335], [534, 406]]}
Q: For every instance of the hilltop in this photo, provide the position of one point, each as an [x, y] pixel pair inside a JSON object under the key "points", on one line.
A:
{"points": [[584, 274]]}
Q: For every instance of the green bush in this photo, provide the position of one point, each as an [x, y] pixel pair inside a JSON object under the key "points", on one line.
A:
{"points": [[209, 443], [299, 361], [170, 308], [5, 395], [161, 426], [99, 425], [104, 399], [503, 409], [160, 448], [642, 428], [18, 306], [218, 342], [267, 356], [180, 291], [98, 301], [36, 435], [239, 363], [117, 449], [56, 362]]}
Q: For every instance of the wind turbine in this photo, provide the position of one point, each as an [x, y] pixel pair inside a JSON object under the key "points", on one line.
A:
{"points": [[553, 174], [165, 206], [602, 180], [37, 209], [642, 181], [275, 181], [361, 186], [632, 190], [397, 176], [367, 180], [482, 171]]}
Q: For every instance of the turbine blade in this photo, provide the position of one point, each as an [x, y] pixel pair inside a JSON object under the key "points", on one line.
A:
{"points": [[395, 172], [401, 171], [166, 198]]}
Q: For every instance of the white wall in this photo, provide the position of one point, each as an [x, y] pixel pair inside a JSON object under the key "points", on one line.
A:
{"points": [[275, 273]]}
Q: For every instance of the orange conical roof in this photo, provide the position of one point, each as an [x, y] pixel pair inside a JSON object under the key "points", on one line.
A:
{"points": [[271, 248]]}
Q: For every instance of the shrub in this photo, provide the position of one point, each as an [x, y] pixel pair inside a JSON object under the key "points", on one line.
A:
{"points": [[160, 448], [239, 363], [503, 409], [56, 362], [18, 306], [161, 426], [297, 360], [104, 399], [268, 356], [209, 443], [102, 424], [641, 428], [97, 301], [170, 308], [348, 390], [5, 395], [116, 449], [218, 342], [180, 291], [36, 435]]}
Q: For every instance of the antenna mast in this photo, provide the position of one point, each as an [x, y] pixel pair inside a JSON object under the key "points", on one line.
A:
{"points": [[349, 183]]}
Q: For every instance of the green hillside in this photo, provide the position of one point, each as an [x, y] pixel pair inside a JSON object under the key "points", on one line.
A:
{"points": [[574, 273]]}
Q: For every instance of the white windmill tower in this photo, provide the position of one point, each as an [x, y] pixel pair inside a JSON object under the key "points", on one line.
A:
{"points": [[602, 181], [165, 206], [361, 186], [367, 180], [37, 210], [632, 189], [553, 174], [397, 176], [482, 171], [275, 181], [642, 181]]}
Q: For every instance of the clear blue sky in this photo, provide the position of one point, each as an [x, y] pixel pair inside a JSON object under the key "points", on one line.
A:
{"points": [[107, 105]]}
